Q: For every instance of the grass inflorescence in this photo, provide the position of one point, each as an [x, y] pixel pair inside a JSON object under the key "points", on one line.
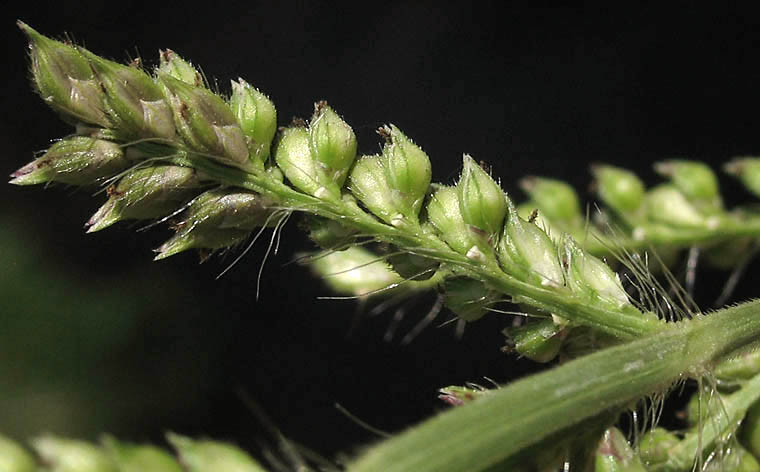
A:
{"points": [[216, 168]]}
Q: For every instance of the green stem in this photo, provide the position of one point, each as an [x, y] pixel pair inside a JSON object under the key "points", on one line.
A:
{"points": [[491, 430], [624, 324], [704, 436]]}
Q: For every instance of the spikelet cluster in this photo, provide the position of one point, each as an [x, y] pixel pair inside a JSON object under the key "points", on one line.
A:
{"points": [[131, 122], [111, 455], [168, 148]]}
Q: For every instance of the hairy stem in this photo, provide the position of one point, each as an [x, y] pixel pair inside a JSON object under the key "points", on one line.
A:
{"points": [[491, 430]]}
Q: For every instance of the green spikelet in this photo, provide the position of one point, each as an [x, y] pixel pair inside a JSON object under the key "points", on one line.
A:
{"points": [[217, 219], [256, 116], [78, 160], [133, 101], [64, 79], [147, 193]]}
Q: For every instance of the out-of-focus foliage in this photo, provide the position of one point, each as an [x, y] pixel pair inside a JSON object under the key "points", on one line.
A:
{"points": [[84, 355]]}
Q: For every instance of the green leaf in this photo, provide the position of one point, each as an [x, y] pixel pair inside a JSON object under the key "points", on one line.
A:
{"points": [[508, 421]]}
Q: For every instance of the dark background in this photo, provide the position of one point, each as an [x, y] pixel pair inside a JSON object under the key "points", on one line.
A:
{"points": [[96, 338]]}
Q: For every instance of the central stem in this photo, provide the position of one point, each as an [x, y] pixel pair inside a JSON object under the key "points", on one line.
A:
{"points": [[625, 324]]}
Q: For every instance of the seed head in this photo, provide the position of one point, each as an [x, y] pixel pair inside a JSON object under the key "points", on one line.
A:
{"points": [[539, 341], [67, 455], [529, 211], [527, 250], [456, 395], [293, 155], [217, 219], [408, 171], [134, 102], [586, 274], [207, 124], [747, 169], [171, 64], [368, 183], [482, 202], [413, 267], [556, 200], [619, 188], [146, 193], [208, 238], [327, 234], [206, 455], [666, 204], [134, 457], [614, 454], [227, 208], [333, 143], [695, 180], [444, 214], [64, 79], [256, 116], [467, 298], [78, 160], [355, 271]]}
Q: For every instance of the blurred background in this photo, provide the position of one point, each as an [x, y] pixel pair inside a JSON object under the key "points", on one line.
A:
{"points": [[95, 338]]}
